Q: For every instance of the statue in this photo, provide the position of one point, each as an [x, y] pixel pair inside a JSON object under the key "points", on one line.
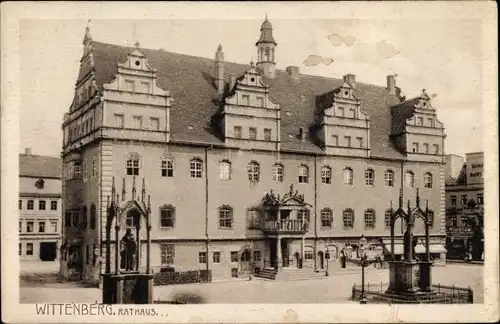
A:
{"points": [[128, 251]]}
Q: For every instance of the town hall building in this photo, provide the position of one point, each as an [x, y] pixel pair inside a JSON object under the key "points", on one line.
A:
{"points": [[247, 166]]}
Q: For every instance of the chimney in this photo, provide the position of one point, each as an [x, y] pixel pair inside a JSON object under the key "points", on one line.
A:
{"points": [[232, 81], [219, 70], [351, 79], [28, 151], [293, 72], [391, 84]]}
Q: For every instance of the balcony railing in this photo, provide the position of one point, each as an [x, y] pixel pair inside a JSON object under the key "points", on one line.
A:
{"points": [[285, 226]]}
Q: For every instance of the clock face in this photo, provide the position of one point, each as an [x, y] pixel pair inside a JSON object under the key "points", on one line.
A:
{"points": [[39, 184]]}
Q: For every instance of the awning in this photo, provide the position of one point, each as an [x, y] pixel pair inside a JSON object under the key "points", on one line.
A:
{"points": [[420, 248], [398, 249], [437, 248]]}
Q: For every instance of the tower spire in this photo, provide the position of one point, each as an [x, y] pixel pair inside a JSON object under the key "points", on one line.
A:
{"points": [[265, 50], [219, 70]]}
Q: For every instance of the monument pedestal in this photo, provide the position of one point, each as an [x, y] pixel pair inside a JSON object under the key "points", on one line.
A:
{"points": [[404, 277], [127, 288]]}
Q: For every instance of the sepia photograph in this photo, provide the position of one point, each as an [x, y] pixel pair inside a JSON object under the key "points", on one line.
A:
{"points": [[250, 155]]}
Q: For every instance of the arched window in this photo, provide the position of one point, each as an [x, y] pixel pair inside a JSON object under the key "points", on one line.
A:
{"points": [[84, 217], [253, 218], [167, 216], [326, 174], [303, 174], [387, 218], [428, 180], [409, 179], [431, 217], [369, 218], [278, 172], [253, 170], [132, 219], [348, 176], [93, 219], [133, 163], [267, 56], [196, 168], [167, 167], [348, 218], [225, 217], [326, 217], [389, 178], [225, 170], [369, 177]]}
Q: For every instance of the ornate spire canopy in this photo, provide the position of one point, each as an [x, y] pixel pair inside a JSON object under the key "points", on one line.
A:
{"points": [[266, 33]]}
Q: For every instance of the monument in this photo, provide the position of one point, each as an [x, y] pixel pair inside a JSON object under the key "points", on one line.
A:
{"points": [[129, 282]]}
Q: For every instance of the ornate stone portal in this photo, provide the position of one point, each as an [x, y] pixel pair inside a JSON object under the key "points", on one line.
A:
{"points": [[127, 284], [410, 276]]}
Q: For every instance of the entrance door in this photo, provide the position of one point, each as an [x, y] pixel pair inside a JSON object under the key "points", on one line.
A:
{"points": [[285, 253], [272, 249], [321, 260], [245, 262], [47, 251]]}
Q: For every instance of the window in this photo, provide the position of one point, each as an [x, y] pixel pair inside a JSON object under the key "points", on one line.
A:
{"points": [[389, 178], [308, 254], [146, 86], [202, 257], [167, 167], [420, 121], [369, 218], [93, 219], [278, 171], [453, 200], [326, 217], [225, 170], [341, 112], [53, 205], [430, 122], [260, 102], [303, 174], [129, 85], [20, 249], [31, 204], [348, 218], [30, 227], [435, 148], [167, 216], [119, 120], [303, 215], [75, 218], [195, 168], [20, 204], [253, 220], [464, 199], [347, 141], [167, 253], [369, 177], [133, 165], [256, 256], [335, 140], [29, 248], [387, 218], [131, 220], [253, 170], [137, 122], [237, 131], [154, 123], [326, 174], [414, 148], [252, 131], [430, 216], [216, 257], [360, 141], [426, 148], [348, 176], [480, 199], [225, 217], [234, 256], [53, 226], [428, 180], [353, 112], [410, 179], [267, 134], [84, 217], [245, 100], [20, 226], [41, 227], [78, 170]]}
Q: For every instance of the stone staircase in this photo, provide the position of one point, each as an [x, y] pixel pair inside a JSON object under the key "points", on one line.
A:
{"points": [[290, 274]]}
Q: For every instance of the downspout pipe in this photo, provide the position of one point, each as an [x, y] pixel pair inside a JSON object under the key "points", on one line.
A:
{"points": [[207, 241], [315, 210]]}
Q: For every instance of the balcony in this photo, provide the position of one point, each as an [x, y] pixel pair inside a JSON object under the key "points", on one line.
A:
{"points": [[290, 226]]}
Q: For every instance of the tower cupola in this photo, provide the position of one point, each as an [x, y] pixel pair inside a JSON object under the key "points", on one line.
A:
{"points": [[265, 50]]}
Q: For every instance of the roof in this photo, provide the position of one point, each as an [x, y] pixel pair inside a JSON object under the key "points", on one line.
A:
{"points": [[40, 166], [191, 83]]}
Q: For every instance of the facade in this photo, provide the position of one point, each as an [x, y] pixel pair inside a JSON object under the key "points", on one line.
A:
{"points": [[40, 207], [465, 206], [248, 166]]}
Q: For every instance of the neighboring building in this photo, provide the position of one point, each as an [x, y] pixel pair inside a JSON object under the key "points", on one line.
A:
{"points": [[465, 206], [216, 143], [40, 207]]}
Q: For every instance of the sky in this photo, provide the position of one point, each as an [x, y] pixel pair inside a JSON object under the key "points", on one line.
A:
{"points": [[444, 56]]}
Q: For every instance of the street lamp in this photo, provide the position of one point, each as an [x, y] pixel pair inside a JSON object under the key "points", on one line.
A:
{"points": [[362, 255]]}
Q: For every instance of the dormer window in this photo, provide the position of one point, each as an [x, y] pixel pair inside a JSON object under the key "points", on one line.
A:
{"points": [[341, 112], [420, 121], [245, 100], [431, 122], [260, 102], [414, 147], [129, 85], [353, 112]]}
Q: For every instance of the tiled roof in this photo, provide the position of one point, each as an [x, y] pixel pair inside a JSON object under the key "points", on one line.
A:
{"points": [[40, 166], [190, 82]]}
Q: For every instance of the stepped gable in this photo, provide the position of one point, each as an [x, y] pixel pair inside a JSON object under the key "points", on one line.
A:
{"points": [[190, 81]]}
